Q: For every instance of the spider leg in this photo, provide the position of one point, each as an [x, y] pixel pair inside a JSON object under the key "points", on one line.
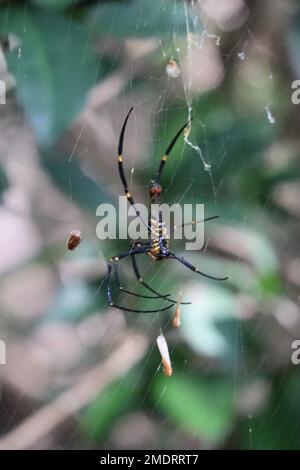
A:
{"points": [[171, 145], [122, 172], [121, 288], [194, 222], [141, 281], [110, 265], [193, 268]]}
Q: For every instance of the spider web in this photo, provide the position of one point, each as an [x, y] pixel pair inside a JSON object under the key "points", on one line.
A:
{"points": [[161, 104], [188, 50]]}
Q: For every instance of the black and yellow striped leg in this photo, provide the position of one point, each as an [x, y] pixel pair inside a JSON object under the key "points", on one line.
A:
{"points": [[122, 172], [171, 145], [120, 161], [120, 153]]}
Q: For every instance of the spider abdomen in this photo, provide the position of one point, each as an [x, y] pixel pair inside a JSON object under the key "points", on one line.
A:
{"points": [[159, 249]]}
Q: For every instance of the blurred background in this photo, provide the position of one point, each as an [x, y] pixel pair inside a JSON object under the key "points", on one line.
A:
{"points": [[79, 374]]}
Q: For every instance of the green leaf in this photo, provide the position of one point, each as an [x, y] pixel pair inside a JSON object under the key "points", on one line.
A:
{"points": [[210, 306], [277, 426], [54, 67], [138, 18], [114, 401], [201, 407]]}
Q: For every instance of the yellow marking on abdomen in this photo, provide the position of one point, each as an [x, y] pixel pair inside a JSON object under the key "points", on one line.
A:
{"points": [[155, 250]]}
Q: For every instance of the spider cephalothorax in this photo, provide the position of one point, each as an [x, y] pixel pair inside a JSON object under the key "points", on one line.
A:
{"points": [[157, 245]]}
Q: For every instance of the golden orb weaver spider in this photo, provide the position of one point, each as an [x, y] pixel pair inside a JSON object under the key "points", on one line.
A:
{"points": [[157, 247]]}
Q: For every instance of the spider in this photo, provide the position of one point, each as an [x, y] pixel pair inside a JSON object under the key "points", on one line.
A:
{"points": [[156, 247]]}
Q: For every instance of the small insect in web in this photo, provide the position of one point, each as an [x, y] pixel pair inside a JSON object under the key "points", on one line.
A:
{"points": [[157, 245], [74, 240]]}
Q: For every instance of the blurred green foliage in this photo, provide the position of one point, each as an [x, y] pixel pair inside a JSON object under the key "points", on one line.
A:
{"points": [[3, 181], [55, 67], [201, 407], [119, 19], [50, 87]]}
